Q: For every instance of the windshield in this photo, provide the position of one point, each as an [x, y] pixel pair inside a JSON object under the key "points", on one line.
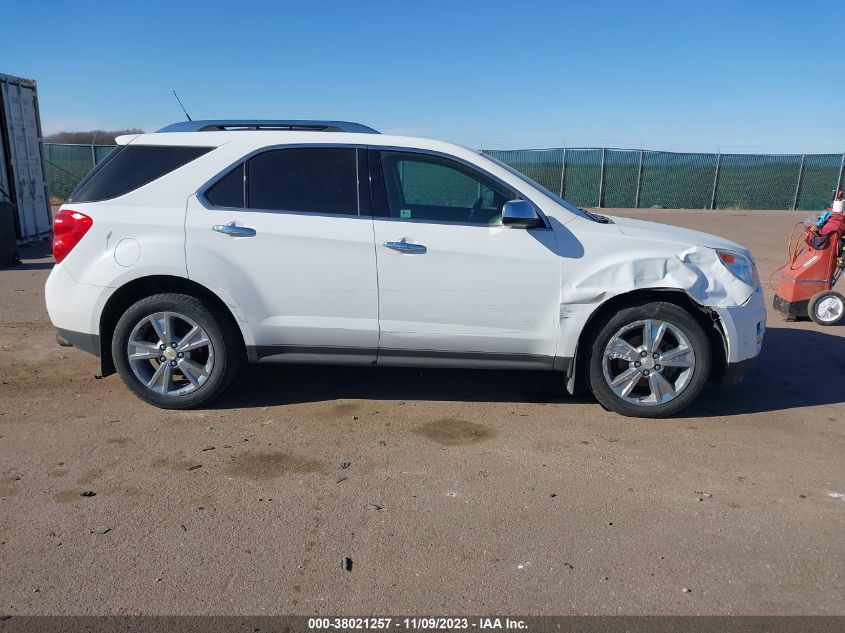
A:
{"points": [[566, 205]]}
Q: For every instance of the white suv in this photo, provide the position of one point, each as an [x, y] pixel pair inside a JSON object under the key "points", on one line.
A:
{"points": [[209, 243]]}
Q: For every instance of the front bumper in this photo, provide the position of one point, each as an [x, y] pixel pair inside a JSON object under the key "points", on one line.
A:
{"points": [[735, 372], [744, 328]]}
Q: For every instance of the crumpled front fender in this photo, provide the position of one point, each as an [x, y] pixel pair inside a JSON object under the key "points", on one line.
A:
{"points": [[617, 265], [696, 271]]}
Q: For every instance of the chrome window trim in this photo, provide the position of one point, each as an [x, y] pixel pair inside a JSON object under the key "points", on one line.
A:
{"points": [[201, 190]]}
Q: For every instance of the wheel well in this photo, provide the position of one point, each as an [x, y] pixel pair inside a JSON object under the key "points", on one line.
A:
{"points": [[136, 290], [708, 319]]}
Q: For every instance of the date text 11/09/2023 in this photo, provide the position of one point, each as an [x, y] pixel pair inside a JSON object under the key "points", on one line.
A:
{"points": [[417, 623]]}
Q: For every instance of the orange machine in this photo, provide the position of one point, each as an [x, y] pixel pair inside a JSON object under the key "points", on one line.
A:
{"points": [[814, 266]]}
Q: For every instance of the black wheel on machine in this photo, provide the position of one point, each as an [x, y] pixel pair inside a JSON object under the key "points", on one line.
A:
{"points": [[826, 307]]}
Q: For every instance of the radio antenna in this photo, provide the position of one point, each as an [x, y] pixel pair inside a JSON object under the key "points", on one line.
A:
{"points": [[182, 106]]}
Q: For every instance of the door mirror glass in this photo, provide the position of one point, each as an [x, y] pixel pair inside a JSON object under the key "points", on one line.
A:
{"points": [[520, 214]]}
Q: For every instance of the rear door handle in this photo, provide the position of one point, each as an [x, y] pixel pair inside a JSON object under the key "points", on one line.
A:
{"points": [[404, 246], [234, 230]]}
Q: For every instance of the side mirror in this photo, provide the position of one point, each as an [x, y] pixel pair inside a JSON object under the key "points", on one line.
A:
{"points": [[520, 214]]}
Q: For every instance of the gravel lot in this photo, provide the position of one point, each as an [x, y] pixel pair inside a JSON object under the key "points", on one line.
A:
{"points": [[450, 491]]}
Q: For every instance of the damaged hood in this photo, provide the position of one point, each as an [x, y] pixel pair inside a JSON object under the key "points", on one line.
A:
{"points": [[656, 231], [635, 255]]}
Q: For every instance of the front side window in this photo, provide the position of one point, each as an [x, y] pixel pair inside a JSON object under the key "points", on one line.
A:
{"points": [[308, 180], [435, 189]]}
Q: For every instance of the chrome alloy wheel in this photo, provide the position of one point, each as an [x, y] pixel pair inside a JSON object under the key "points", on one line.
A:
{"points": [[170, 353], [648, 362], [830, 309]]}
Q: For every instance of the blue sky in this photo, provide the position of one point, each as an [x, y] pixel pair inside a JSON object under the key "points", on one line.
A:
{"points": [[745, 75]]}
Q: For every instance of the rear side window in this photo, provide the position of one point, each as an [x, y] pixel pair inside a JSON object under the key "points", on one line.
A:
{"points": [[130, 167], [229, 190], [308, 180]]}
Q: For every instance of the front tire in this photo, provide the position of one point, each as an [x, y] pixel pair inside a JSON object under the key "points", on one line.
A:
{"points": [[174, 352], [649, 361]]}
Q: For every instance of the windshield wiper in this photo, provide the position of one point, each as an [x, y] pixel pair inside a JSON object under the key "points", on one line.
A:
{"points": [[601, 219]]}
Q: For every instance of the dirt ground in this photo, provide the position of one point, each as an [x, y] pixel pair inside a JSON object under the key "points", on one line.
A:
{"points": [[449, 491]]}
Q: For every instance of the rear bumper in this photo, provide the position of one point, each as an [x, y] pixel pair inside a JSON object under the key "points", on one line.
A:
{"points": [[74, 310], [74, 306], [86, 342]]}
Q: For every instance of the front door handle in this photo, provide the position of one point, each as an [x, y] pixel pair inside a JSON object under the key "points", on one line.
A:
{"points": [[234, 230], [404, 246]]}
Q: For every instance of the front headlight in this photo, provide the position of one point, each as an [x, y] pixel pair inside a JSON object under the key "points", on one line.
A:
{"points": [[741, 266]]}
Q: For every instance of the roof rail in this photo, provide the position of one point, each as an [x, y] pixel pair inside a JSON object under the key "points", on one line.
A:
{"points": [[252, 124]]}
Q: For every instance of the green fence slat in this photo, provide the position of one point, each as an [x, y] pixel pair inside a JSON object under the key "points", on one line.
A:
{"points": [[620, 178], [583, 177], [821, 171], [101, 151], [677, 181], [757, 181]]}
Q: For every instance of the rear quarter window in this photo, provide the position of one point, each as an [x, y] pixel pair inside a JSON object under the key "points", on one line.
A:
{"points": [[129, 167], [229, 190]]}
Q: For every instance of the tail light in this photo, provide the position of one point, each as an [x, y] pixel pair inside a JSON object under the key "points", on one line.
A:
{"points": [[68, 228]]}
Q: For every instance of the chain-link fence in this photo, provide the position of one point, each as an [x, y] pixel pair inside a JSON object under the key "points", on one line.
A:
{"points": [[66, 165], [604, 177], [590, 177]]}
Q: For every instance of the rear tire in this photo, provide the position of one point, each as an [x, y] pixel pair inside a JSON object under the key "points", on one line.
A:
{"points": [[174, 352], [826, 307], [649, 361]]}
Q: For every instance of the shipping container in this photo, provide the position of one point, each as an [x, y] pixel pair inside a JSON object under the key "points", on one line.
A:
{"points": [[21, 161]]}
